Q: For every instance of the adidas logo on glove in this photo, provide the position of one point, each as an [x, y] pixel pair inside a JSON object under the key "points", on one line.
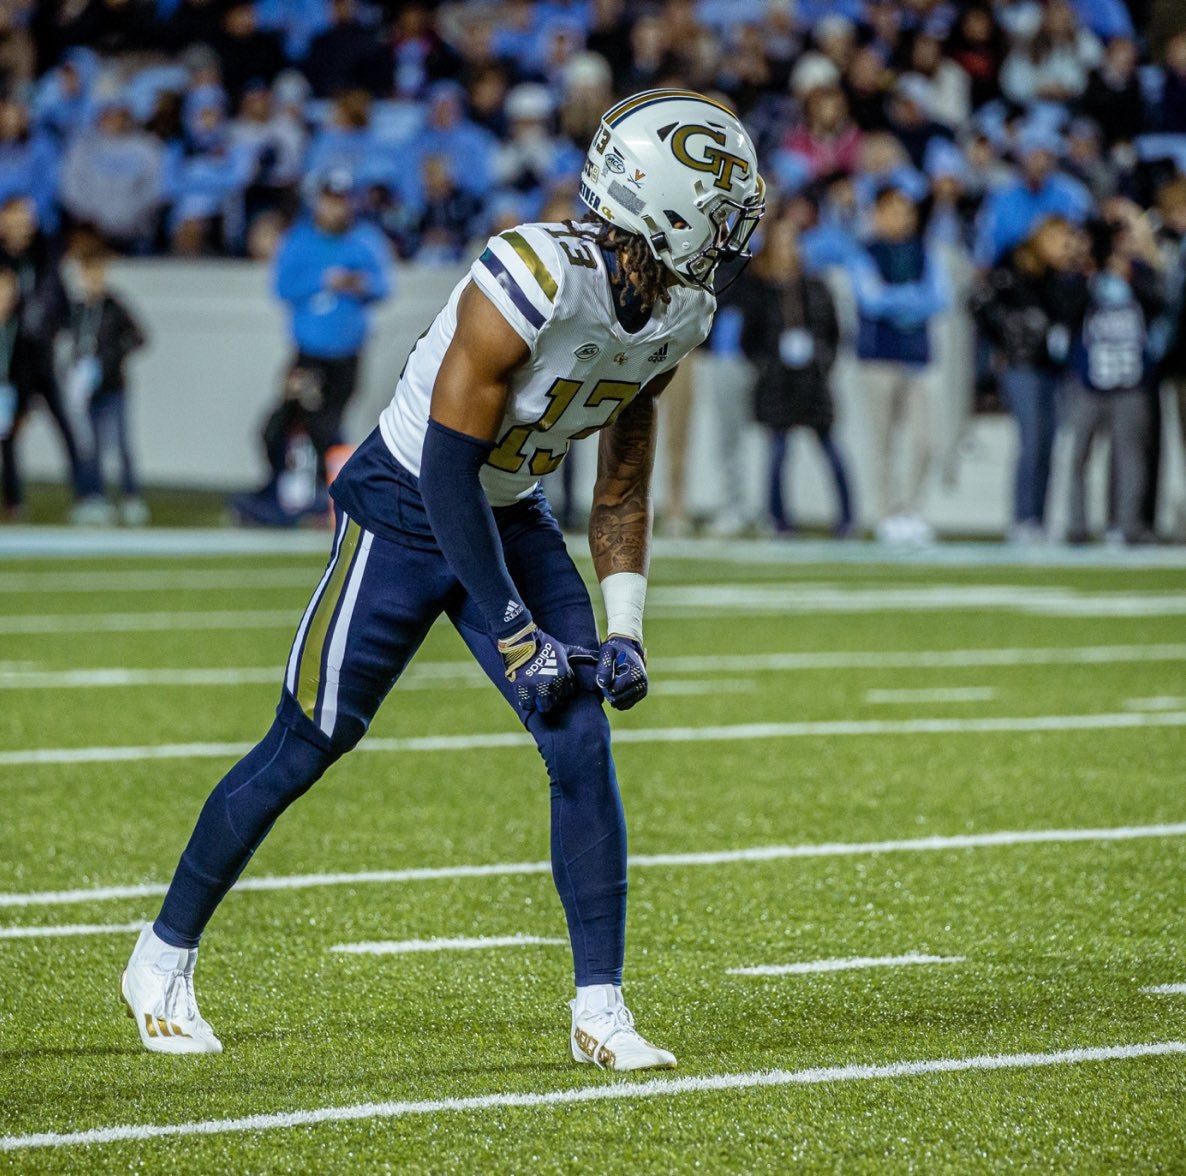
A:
{"points": [[514, 608], [544, 665]]}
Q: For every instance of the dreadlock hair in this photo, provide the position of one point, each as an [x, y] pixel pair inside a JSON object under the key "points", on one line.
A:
{"points": [[634, 257]]}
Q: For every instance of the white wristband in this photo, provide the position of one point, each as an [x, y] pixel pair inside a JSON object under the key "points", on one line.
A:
{"points": [[625, 594]]}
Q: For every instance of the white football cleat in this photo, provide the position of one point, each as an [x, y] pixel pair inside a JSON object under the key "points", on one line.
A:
{"points": [[603, 1033], [158, 988]]}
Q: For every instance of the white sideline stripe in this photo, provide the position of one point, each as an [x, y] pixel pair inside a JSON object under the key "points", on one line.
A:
{"points": [[1166, 989], [623, 1091], [827, 728], [69, 929], [940, 694], [844, 965], [423, 675], [400, 947], [762, 853]]}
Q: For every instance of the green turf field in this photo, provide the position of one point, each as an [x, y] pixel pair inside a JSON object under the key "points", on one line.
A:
{"points": [[979, 764]]}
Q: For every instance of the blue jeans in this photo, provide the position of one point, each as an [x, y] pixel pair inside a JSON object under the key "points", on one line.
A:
{"points": [[779, 453], [109, 426], [1032, 397]]}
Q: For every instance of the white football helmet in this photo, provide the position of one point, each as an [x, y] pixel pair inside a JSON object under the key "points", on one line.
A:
{"points": [[680, 170]]}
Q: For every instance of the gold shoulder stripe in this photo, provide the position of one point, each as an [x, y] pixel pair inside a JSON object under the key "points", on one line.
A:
{"points": [[532, 261]]}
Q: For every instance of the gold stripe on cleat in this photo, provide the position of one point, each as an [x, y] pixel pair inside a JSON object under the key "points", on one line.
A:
{"points": [[150, 1025], [177, 1031]]}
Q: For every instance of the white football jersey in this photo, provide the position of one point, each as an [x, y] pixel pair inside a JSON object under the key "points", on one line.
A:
{"points": [[550, 283]]}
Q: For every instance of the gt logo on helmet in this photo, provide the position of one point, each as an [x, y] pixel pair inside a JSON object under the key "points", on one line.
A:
{"points": [[720, 163]]}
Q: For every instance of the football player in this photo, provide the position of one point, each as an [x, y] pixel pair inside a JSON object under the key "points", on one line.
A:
{"points": [[558, 331]]}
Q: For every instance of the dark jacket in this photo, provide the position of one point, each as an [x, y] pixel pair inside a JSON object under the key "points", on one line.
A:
{"points": [[786, 396], [107, 331], [1030, 319], [44, 307]]}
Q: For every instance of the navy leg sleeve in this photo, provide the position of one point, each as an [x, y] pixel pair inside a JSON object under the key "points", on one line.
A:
{"points": [[588, 831], [237, 815]]}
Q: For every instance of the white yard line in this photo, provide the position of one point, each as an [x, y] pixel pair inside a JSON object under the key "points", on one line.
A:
{"points": [[1166, 989], [665, 687], [1160, 702], [844, 965], [623, 1091], [424, 674], [402, 947], [763, 853], [938, 694], [159, 580], [831, 598], [687, 601], [148, 622], [69, 929], [494, 740]]}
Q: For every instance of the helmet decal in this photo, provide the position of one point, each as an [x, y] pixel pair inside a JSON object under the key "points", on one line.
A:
{"points": [[720, 163]]}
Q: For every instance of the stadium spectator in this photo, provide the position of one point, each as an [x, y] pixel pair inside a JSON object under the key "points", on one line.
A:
{"points": [[1170, 343], [9, 397], [1113, 99], [42, 311], [979, 47], [827, 139], [329, 270], [448, 217], [1109, 396], [899, 287], [419, 54], [102, 334], [113, 178], [791, 333], [1040, 190], [1172, 112], [948, 85], [911, 119], [275, 140], [346, 55], [1051, 63], [448, 133], [346, 141], [1029, 308], [28, 161], [246, 52]]}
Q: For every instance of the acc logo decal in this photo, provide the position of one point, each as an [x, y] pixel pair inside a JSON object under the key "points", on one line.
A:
{"points": [[616, 163], [721, 164], [587, 351]]}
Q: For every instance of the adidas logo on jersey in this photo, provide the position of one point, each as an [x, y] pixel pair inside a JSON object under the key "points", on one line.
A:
{"points": [[514, 608], [658, 356]]}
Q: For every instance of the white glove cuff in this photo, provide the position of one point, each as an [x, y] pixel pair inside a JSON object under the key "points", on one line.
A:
{"points": [[625, 594]]}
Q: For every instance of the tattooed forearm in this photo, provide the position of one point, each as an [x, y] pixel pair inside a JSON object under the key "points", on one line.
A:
{"points": [[620, 523]]}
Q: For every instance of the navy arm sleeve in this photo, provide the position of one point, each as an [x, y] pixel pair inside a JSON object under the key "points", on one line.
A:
{"points": [[463, 523]]}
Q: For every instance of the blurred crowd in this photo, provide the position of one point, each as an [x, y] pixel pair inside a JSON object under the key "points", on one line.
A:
{"points": [[1019, 163]]}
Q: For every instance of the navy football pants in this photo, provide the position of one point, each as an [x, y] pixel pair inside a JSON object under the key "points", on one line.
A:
{"points": [[371, 611]]}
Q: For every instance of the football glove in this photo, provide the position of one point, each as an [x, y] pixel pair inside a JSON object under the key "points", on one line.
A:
{"points": [[537, 666], [622, 671]]}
